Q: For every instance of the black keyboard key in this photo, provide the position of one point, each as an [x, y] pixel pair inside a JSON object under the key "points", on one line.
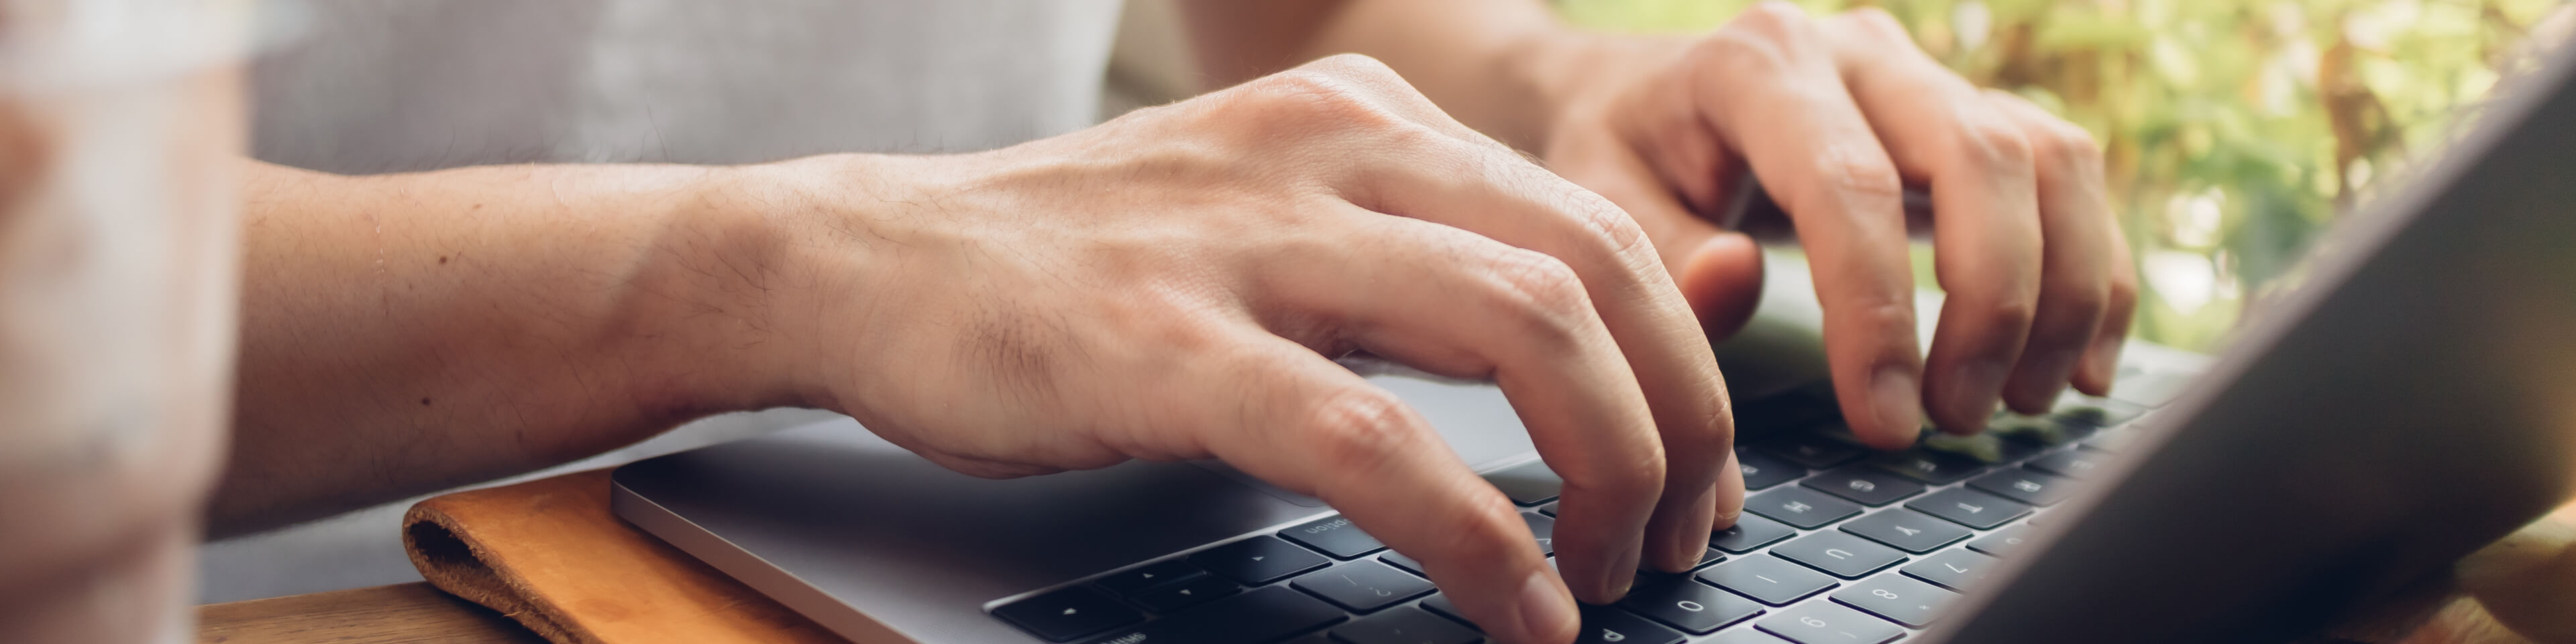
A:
{"points": [[1839, 554], [1745, 636], [1334, 536], [1801, 507], [1259, 616], [1790, 411], [1066, 614], [1762, 472], [1970, 507], [2152, 389], [2026, 486], [1398, 560], [1989, 447], [1543, 528], [2001, 543], [1750, 533], [1176, 597], [1897, 598], [2070, 462], [1770, 580], [1258, 560], [1812, 451], [1828, 623], [1527, 484], [1440, 604], [1952, 569], [1606, 625], [1864, 485], [2095, 412], [1150, 576], [1363, 586], [1907, 530], [2037, 432], [1937, 468], [1405, 626], [2111, 442], [1682, 603]]}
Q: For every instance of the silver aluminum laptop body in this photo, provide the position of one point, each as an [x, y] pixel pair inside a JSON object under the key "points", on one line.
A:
{"points": [[2413, 399]]}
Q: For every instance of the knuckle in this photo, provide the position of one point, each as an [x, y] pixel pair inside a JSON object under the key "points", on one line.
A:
{"points": [[1303, 97], [1615, 233], [1489, 529], [1642, 478], [1779, 20], [2065, 143], [2123, 292], [2007, 312], [1877, 23], [1862, 180], [1359, 428], [2074, 297], [1357, 66], [1541, 287], [1994, 145], [1764, 40]]}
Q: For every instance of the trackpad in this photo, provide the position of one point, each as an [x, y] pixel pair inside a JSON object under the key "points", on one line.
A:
{"points": [[839, 508]]}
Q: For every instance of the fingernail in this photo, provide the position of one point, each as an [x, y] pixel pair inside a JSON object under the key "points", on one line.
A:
{"points": [[1894, 391], [1976, 387], [1687, 542], [1623, 571], [1544, 612]]}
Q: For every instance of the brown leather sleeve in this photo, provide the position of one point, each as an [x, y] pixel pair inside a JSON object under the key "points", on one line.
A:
{"points": [[549, 554]]}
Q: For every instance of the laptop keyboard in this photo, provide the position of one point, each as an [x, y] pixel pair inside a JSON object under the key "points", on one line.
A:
{"points": [[1839, 545]]}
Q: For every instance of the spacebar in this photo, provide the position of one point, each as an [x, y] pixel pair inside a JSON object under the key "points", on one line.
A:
{"points": [[1264, 615]]}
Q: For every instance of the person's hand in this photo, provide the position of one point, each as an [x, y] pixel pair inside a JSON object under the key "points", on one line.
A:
{"points": [[1175, 284], [1836, 115]]}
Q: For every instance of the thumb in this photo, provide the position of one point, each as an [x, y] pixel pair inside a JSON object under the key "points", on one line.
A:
{"points": [[1722, 279]]}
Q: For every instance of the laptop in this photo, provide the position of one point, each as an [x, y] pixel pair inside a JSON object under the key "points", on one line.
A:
{"points": [[2411, 398]]}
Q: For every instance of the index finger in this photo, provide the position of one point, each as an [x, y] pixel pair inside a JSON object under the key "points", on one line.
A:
{"points": [[1771, 89], [1315, 427], [1480, 186]]}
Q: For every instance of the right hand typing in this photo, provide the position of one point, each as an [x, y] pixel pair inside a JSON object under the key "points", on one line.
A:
{"points": [[1175, 283]]}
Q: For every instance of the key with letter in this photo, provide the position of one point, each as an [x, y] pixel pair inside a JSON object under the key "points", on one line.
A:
{"points": [[1689, 605], [1898, 598], [1770, 580], [1828, 623], [1839, 554]]}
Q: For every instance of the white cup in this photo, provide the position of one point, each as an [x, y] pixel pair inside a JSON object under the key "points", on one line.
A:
{"points": [[121, 127]]}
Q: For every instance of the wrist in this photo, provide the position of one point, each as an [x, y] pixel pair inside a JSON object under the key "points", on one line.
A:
{"points": [[703, 319], [786, 265]]}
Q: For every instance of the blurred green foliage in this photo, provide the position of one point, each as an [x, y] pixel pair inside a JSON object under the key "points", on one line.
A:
{"points": [[2235, 130]]}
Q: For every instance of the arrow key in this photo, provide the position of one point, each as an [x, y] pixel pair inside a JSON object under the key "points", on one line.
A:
{"points": [[1149, 577], [1066, 614], [1258, 560], [1198, 590]]}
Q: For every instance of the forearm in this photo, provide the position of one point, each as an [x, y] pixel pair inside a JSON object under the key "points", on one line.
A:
{"points": [[408, 332], [1504, 67]]}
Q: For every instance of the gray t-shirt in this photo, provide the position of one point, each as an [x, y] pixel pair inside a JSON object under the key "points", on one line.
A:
{"points": [[398, 85]]}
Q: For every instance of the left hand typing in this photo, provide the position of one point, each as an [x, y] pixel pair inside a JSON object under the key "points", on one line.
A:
{"points": [[1837, 114]]}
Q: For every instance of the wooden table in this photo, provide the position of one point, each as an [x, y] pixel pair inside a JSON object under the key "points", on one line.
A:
{"points": [[413, 613]]}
